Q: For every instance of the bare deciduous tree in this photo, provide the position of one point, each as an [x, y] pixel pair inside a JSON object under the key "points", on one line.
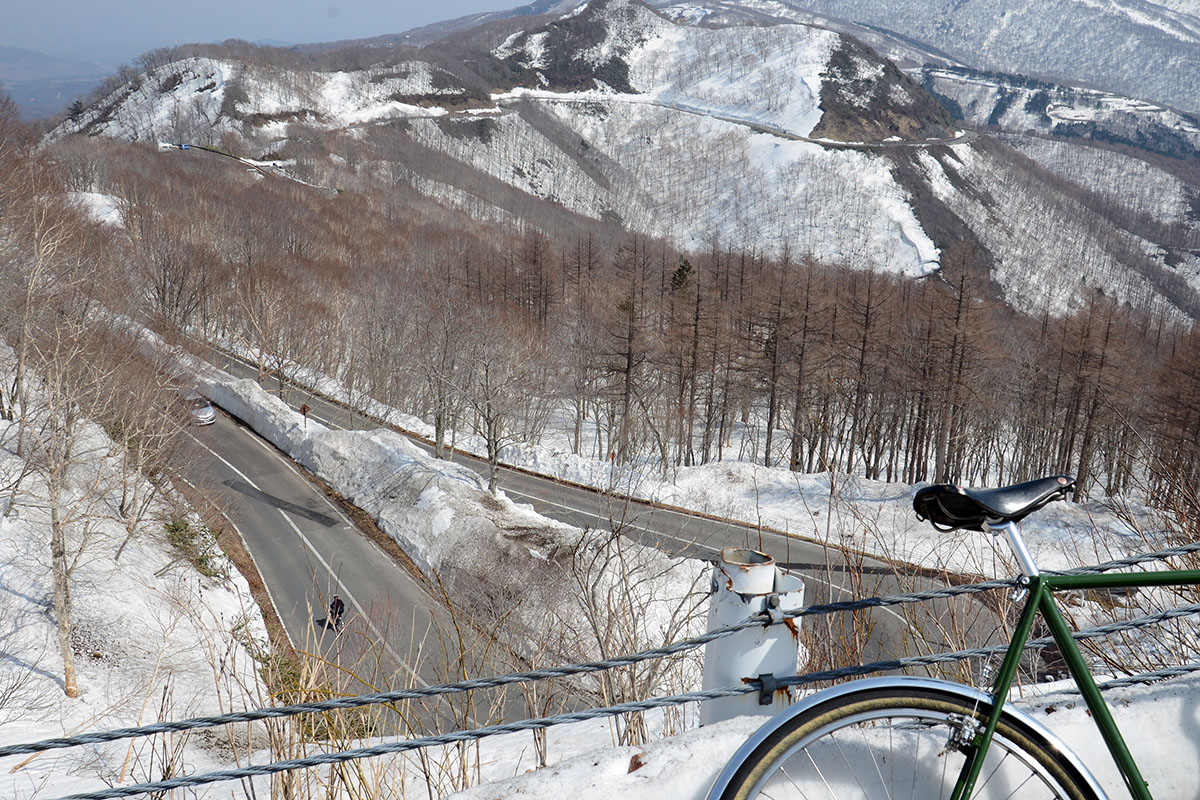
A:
{"points": [[629, 598], [507, 362], [64, 457]]}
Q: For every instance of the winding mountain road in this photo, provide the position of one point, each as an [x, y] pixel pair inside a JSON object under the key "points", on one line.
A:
{"points": [[306, 550], [758, 126]]}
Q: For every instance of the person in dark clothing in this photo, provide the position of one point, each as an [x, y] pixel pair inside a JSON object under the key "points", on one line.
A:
{"points": [[336, 609]]}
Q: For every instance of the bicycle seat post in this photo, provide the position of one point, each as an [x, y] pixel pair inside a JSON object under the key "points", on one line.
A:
{"points": [[1016, 541]]}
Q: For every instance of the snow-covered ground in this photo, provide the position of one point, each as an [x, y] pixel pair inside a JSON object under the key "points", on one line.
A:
{"points": [[154, 638]]}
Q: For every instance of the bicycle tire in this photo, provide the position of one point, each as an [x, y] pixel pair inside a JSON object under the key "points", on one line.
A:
{"points": [[896, 740]]}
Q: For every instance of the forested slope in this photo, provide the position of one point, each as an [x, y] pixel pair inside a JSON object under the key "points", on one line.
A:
{"points": [[637, 350]]}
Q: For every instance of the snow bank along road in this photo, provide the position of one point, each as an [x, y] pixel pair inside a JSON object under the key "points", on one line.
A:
{"points": [[829, 574]]}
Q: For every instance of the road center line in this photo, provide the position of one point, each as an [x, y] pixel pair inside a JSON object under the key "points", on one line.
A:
{"points": [[246, 545], [353, 601]]}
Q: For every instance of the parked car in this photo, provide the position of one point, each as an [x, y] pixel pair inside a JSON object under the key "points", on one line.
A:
{"points": [[202, 411]]}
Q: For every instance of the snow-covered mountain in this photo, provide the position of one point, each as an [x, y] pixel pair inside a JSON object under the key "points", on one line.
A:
{"points": [[1144, 48], [760, 134], [1017, 104], [1148, 49]]}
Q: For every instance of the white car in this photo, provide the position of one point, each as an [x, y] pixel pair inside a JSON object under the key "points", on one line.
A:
{"points": [[201, 410]]}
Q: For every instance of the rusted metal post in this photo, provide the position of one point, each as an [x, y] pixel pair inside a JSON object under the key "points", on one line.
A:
{"points": [[747, 582]]}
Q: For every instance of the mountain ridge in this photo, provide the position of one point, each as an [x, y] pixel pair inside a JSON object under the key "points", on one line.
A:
{"points": [[1138, 48], [769, 138]]}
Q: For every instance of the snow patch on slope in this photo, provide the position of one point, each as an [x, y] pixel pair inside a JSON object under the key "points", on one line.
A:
{"points": [[764, 75], [101, 208], [154, 639]]}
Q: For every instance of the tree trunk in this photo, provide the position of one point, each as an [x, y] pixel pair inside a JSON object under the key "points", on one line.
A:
{"points": [[439, 433], [62, 600]]}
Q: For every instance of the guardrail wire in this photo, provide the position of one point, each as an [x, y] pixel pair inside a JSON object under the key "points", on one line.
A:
{"points": [[674, 648]]}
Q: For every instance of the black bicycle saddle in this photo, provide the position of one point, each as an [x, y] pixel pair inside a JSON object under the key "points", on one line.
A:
{"points": [[949, 507]]}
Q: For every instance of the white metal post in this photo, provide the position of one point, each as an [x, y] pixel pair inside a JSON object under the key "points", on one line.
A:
{"points": [[747, 582]]}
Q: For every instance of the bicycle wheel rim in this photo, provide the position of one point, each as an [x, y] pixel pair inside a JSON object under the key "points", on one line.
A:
{"points": [[900, 748]]}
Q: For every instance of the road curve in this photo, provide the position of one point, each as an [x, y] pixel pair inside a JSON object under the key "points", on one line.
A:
{"points": [[306, 550], [829, 574]]}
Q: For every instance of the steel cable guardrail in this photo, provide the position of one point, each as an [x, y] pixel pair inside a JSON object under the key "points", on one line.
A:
{"points": [[556, 672], [357, 701], [321, 759], [596, 666]]}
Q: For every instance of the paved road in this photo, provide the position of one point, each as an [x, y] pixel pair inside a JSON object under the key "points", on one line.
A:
{"points": [[829, 574], [307, 550], [963, 137]]}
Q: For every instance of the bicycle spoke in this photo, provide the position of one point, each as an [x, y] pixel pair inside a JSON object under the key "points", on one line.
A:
{"points": [[796, 786], [946, 763], [979, 787], [820, 774], [945, 769], [1017, 791], [875, 763], [850, 765]]}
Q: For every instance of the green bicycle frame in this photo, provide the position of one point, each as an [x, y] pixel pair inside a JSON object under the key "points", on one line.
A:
{"points": [[1041, 601]]}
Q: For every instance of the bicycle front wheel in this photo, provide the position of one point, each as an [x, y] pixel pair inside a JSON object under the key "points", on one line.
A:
{"points": [[903, 741]]}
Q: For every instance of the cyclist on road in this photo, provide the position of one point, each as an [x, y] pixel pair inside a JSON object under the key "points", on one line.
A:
{"points": [[336, 609]]}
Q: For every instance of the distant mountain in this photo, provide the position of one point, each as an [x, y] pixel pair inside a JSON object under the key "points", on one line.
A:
{"points": [[43, 85], [758, 135], [1139, 48], [1148, 49], [17, 64]]}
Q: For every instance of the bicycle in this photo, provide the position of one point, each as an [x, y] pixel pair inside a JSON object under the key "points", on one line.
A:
{"points": [[909, 737]]}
